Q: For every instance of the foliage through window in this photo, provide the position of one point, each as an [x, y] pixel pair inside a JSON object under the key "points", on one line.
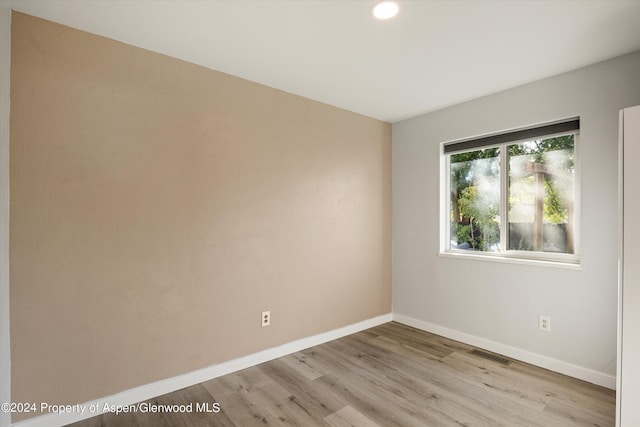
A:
{"points": [[514, 198]]}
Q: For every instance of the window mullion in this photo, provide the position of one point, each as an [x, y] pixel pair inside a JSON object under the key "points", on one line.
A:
{"points": [[504, 197], [445, 203]]}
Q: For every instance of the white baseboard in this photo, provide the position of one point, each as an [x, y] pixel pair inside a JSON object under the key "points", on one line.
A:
{"points": [[169, 385], [549, 363]]}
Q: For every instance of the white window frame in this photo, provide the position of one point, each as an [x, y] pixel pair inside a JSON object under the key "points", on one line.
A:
{"points": [[562, 260]]}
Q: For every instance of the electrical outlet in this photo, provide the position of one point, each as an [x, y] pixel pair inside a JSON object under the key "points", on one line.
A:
{"points": [[266, 318], [544, 323]]}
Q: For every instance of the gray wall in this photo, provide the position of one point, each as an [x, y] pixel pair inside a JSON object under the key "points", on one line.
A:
{"points": [[500, 302]]}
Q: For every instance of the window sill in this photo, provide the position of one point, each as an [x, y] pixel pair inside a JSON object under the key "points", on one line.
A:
{"points": [[513, 260]]}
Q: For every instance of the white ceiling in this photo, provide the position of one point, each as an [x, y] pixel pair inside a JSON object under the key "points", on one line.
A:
{"points": [[432, 55]]}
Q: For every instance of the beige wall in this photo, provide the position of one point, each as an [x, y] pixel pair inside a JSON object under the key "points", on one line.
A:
{"points": [[158, 207]]}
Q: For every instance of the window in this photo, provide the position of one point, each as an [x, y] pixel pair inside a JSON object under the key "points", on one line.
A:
{"points": [[513, 195]]}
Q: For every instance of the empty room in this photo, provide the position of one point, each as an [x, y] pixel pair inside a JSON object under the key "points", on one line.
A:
{"points": [[319, 213]]}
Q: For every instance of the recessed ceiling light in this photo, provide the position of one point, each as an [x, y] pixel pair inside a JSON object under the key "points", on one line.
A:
{"points": [[385, 9]]}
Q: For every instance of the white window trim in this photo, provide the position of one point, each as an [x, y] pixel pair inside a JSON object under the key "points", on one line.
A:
{"points": [[547, 259]]}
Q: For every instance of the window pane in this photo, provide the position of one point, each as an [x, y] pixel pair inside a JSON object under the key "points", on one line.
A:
{"points": [[475, 200], [541, 195]]}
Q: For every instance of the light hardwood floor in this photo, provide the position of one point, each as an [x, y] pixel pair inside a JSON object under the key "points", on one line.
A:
{"points": [[390, 375]]}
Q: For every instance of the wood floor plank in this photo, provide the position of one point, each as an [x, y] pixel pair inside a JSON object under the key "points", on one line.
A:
{"points": [[253, 398], [427, 397], [464, 401], [314, 400], [409, 337], [477, 395], [496, 377], [390, 375], [300, 362], [349, 417]]}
